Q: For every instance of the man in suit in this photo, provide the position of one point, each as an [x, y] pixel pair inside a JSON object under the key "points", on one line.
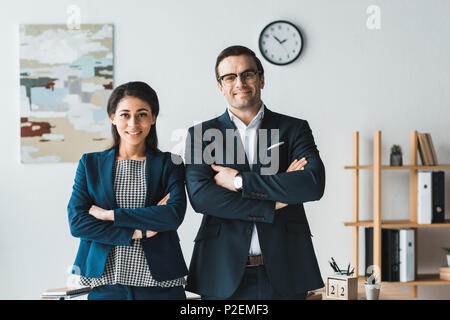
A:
{"points": [[254, 241]]}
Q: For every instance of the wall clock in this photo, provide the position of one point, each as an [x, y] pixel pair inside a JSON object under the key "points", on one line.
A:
{"points": [[280, 42]]}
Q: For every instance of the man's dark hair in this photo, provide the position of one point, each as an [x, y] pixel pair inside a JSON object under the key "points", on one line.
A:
{"points": [[238, 51]]}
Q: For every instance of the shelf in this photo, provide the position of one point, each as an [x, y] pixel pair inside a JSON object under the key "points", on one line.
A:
{"points": [[398, 224], [422, 280], [377, 222], [406, 167]]}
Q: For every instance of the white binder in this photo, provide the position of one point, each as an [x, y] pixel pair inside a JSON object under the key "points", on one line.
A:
{"points": [[407, 269], [424, 197]]}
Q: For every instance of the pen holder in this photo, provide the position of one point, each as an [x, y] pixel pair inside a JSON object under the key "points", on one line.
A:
{"points": [[342, 287]]}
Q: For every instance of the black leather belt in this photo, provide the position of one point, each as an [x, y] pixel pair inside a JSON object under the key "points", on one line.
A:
{"points": [[254, 261]]}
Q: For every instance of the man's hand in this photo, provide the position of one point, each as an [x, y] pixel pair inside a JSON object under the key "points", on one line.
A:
{"points": [[294, 166], [224, 177], [101, 214], [297, 165]]}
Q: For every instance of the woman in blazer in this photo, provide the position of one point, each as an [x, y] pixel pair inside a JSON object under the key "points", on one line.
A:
{"points": [[126, 205]]}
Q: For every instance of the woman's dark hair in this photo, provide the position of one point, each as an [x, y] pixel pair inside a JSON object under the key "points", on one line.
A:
{"points": [[139, 90], [237, 51]]}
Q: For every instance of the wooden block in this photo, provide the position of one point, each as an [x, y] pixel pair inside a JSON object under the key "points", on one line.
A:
{"points": [[342, 287], [332, 288], [342, 290]]}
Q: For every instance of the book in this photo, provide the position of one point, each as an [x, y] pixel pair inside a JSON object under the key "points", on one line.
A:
{"points": [[390, 253], [424, 197], [394, 250], [433, 151], [438, 197], [407, 268], [420, 149], [430, 197], [424, 151], [69, 291], [368, 232]]}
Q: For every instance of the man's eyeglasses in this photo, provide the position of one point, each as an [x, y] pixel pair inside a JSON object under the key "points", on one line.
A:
{"points": [[248, 76]]}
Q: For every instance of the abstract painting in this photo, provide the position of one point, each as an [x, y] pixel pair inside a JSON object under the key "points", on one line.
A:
{"points": [[66, 77]]}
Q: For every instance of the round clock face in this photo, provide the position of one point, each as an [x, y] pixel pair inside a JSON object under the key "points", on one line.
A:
{"points": [[280, 42]]}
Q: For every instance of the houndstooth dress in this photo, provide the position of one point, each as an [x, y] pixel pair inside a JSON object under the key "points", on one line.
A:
{"points": [[127, 265]]}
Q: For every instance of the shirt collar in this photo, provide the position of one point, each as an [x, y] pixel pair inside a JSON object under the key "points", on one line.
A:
{"points": [[259, 116]]}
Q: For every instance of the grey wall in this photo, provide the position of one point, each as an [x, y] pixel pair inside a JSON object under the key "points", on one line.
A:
{"points": [[348, 78]]}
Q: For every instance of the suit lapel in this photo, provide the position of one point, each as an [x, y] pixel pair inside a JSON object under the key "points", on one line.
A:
{"points": [[236, 146], [262, 153], [106, 170], [267, 123], [153, 171], [154, 164]]}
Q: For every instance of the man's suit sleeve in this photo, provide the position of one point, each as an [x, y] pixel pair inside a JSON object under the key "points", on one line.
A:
{"points": [[291, 187], [85, 226], [208, 198]]}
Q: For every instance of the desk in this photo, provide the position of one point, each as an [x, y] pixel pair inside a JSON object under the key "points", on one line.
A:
{"points": [[388, 292]]}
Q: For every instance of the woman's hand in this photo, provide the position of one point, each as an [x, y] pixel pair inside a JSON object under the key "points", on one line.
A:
{"points": [[101, 214], [138, 233], [164, 200], [294, 166]]}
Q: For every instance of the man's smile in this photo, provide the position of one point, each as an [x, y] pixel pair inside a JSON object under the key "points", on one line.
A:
{"points": [[242, 93]]}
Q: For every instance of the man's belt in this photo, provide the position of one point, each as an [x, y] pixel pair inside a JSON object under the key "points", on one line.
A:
{"points": [[254, 261]]}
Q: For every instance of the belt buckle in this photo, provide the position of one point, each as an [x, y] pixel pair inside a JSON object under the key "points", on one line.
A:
{"points": [[259, 257]]}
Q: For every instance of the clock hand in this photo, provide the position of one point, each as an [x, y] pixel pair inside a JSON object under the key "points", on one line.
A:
{"points": [[283, 41], [277, 39]]}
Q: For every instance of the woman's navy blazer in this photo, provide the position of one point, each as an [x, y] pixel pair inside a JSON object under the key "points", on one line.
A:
{"points": [[94, 185]]}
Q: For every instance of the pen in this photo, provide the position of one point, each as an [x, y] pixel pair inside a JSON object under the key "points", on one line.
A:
{"points": [[332, 266], [338, 269]]}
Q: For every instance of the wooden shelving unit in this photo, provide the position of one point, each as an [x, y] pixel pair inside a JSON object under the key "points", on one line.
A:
{"points": [[377, 223]]}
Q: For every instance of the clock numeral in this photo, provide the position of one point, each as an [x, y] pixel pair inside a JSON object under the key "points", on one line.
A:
{"points": [[266, 35]]}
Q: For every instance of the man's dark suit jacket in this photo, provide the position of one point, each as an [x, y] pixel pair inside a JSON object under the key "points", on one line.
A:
{"points": [[94, 185], [223, 240]]}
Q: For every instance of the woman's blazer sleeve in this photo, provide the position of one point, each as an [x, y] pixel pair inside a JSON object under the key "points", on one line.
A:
{"points": [[159, 218], [85, 226]]}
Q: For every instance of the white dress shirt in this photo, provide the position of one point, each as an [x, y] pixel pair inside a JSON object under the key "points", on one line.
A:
{"points": [[249, 139]]}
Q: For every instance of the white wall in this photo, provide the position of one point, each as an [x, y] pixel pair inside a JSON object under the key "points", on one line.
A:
{"points": [[348, 78]]}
